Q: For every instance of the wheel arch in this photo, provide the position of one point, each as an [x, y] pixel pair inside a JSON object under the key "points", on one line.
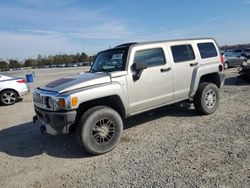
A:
{"points": [[212, 73], [212, 78], [6, 89], [113, 101]]}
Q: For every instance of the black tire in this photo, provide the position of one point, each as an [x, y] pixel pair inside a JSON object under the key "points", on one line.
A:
{"points": [[226, 65], [99, 129], [8, 97], [206, 99]]}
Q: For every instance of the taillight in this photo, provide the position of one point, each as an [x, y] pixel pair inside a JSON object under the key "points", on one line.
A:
{"points": [[222, 59], [21, 81]]}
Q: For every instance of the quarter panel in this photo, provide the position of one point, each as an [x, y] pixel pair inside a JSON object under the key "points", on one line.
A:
{"points": [[12, 84], [198, 72]]}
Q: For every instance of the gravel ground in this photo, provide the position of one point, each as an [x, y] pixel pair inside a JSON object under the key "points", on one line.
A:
{"points": [[168, 147]]}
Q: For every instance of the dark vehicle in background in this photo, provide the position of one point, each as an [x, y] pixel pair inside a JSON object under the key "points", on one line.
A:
{"points": [[244, 72], [243, 52], [232, 59]]}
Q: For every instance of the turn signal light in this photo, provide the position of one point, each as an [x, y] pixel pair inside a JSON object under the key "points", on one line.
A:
{"points": [[74, 101]]}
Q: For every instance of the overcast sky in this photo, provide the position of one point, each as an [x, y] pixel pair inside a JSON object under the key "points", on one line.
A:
{"points": [[32, 27]]}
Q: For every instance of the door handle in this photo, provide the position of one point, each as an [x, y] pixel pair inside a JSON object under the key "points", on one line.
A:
{"points": [[193, 64], [165, 70]]}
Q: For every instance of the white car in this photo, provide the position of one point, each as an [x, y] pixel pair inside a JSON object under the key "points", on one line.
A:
{"points": [[11, 89]]}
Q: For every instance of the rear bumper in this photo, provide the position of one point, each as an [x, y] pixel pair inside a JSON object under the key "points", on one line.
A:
{"points": [[24, 90], [54, 122]]}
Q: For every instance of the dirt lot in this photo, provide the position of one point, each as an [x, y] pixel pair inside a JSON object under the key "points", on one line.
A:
{"points": [[168, 147]]}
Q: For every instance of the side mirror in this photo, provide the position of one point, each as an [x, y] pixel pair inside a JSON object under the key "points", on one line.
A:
{"points": [[139, 66]]}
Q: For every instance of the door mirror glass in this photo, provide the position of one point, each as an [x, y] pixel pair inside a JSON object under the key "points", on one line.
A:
{"points": [[140, 66]]}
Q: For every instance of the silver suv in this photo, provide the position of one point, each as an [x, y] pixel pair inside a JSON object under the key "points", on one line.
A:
{"points": [[126, 80]]}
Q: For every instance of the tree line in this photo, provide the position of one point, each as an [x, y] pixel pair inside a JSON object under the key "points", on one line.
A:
{"points": [[64, 59], [236, 46], [43, 61]]}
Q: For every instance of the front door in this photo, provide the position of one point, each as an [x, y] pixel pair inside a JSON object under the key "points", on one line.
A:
{"points": [[155, 85]]}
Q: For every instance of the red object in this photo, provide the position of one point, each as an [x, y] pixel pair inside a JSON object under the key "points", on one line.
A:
{"points": [[221, 59], [21, 81]]}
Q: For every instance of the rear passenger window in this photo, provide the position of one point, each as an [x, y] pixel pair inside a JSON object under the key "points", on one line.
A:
{"points": [[207, 50], [152, 57], [182, 53]]}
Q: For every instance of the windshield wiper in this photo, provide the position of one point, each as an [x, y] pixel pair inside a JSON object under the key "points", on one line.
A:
{"points": [[94, 70], [100, 70]]}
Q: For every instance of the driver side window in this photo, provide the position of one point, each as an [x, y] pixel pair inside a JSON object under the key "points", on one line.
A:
{"points": [[152, 57]]}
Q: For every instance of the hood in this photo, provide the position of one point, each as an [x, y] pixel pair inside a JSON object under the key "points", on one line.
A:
{"points": [[76, 82]]}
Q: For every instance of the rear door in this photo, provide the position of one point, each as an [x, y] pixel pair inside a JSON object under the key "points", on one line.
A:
{"points": [[236, 59], [233, 60], [184, 62], [187, 57]]}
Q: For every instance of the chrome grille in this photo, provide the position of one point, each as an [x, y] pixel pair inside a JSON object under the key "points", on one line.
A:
{"points": [[40, 99]]}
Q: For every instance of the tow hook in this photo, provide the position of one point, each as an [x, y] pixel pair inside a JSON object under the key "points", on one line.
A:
{"points": [[43, 129], [35, 119]]}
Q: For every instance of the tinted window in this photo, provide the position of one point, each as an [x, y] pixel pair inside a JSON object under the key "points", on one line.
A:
{"points": [[152, 57], [182, 53], [207, 50]]}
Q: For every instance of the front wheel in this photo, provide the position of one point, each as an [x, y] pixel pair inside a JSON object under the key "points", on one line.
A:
{"points": [[100, 129], [206, 99]]}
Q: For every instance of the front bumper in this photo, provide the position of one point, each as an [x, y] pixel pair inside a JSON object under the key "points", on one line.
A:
{"points": [[54, 122]]}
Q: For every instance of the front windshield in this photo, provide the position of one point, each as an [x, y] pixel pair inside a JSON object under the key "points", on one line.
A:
{"points": [[110, 60]]}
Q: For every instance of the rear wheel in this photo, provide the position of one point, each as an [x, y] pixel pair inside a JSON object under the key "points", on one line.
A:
{"points": [[206, 99], [226, 65], [100, 130], [8, 97]]}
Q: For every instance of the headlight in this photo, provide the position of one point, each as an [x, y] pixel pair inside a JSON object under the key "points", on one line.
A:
{"points": [[60, 102]]}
